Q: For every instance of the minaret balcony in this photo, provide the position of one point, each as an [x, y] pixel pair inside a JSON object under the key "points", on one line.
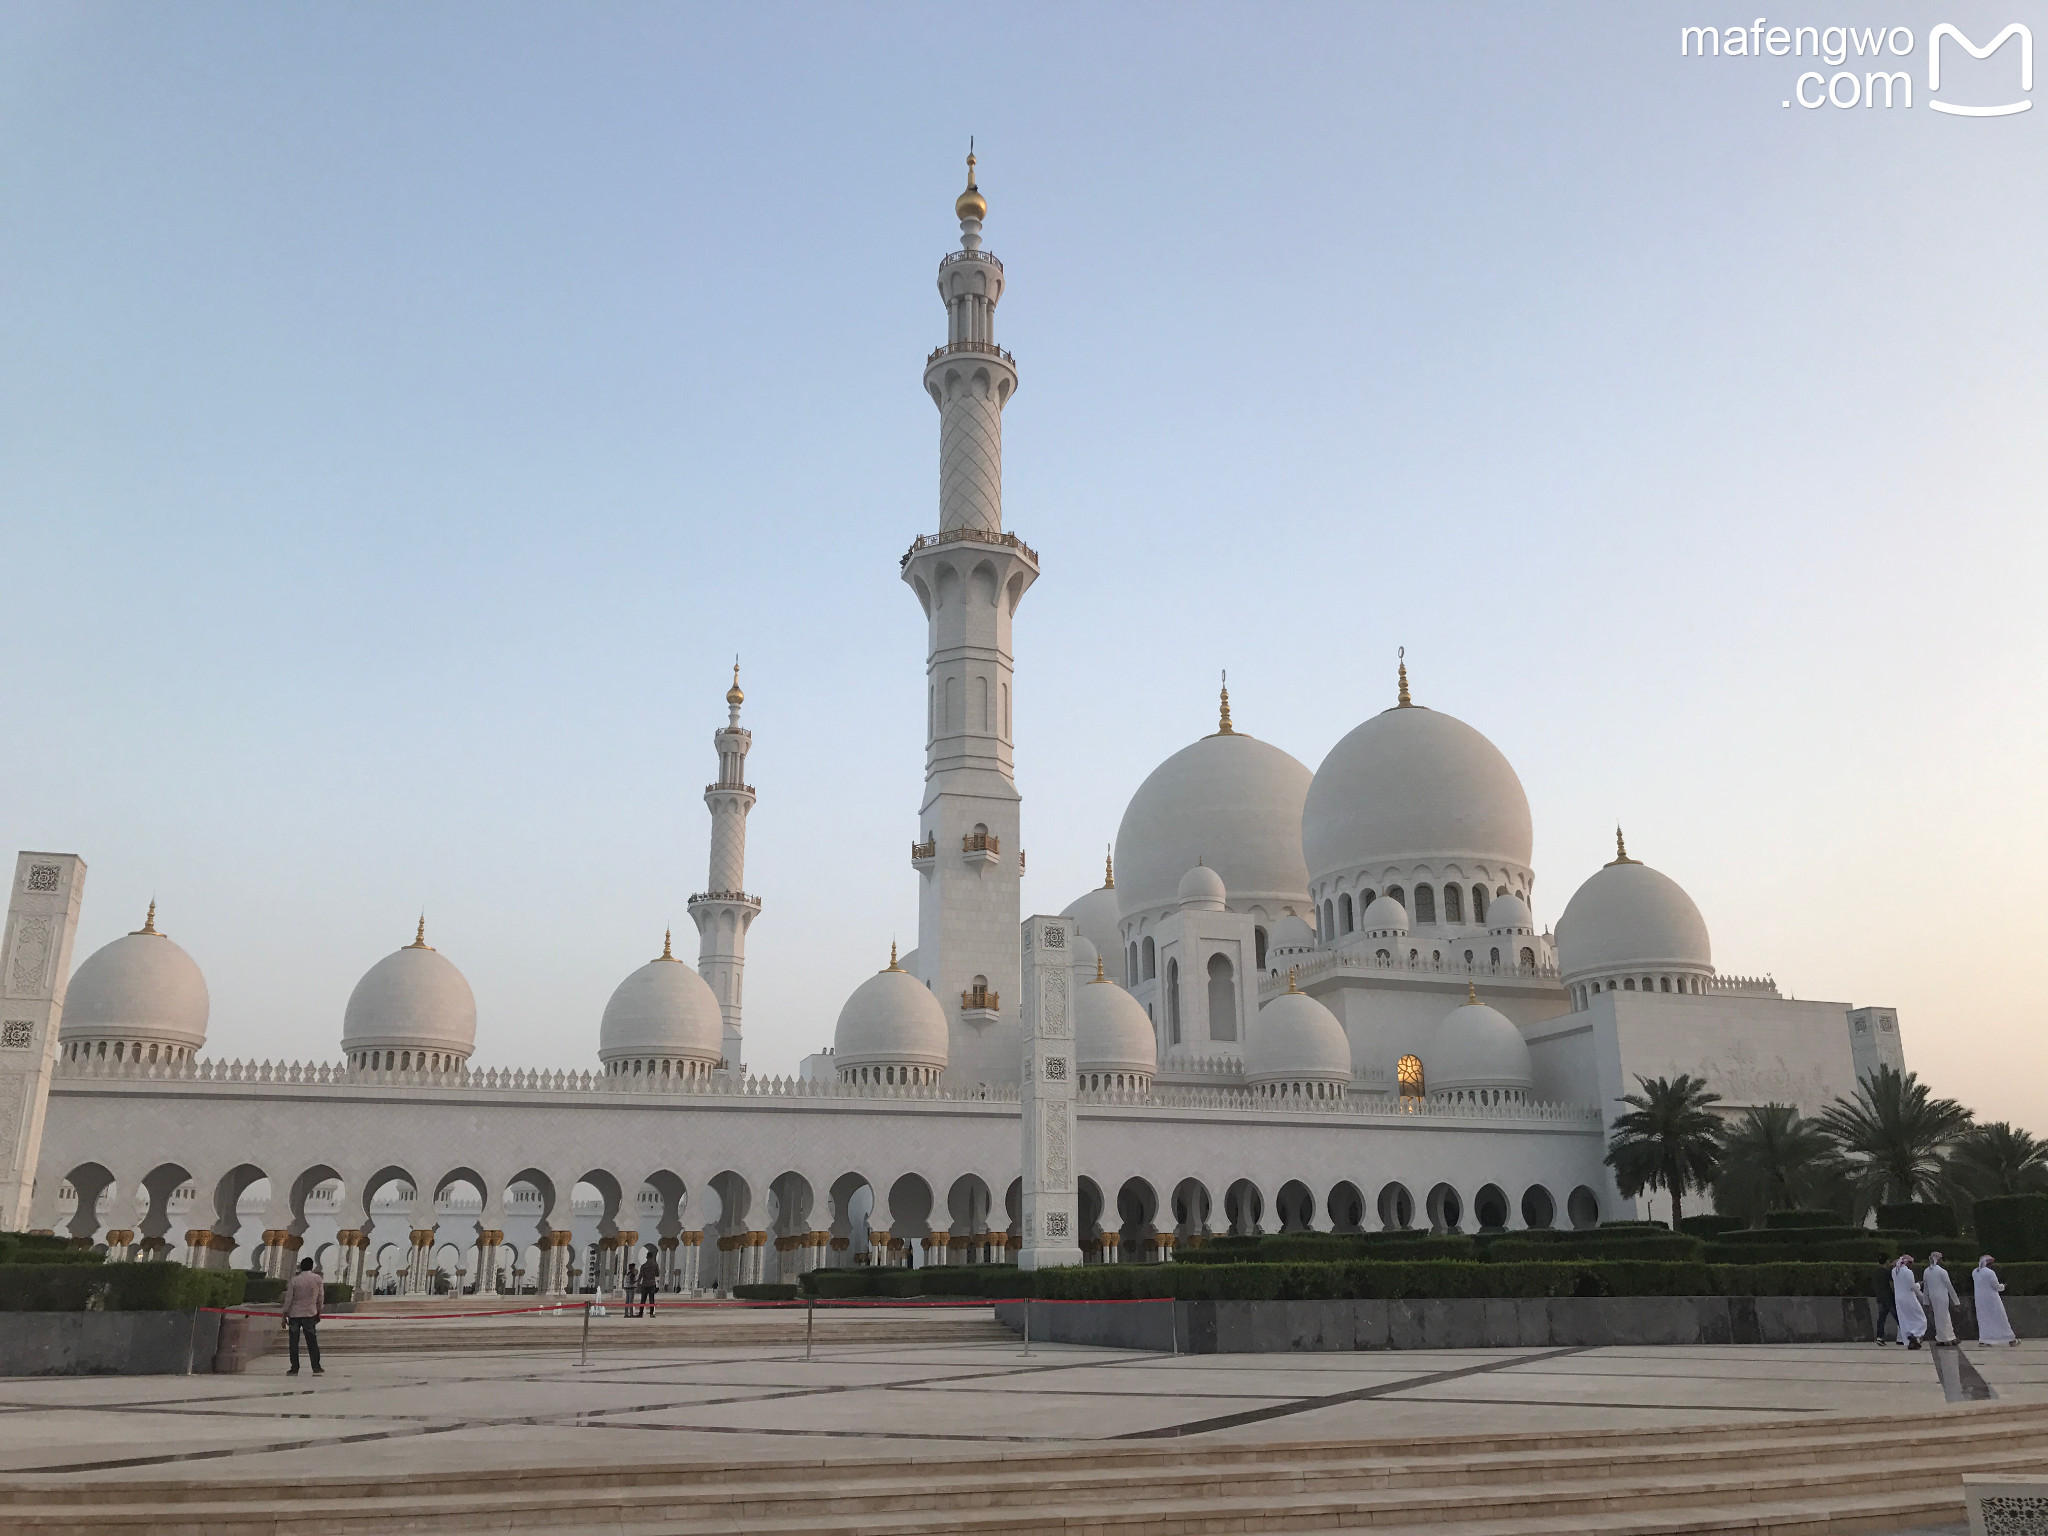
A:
{"points": [[986, 348], [980, 849], [741, 789], [973, 535], [733, 898], [950, 257], [980, 1005], [924, 855]]}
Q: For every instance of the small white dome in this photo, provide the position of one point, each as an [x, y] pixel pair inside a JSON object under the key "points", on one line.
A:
{"points": [[664, 1011], [1414, 783], [1385, 915], [1475, 1048], [1229, 801], [1290, 936], [1201, 888], [1086, 957], [1098, 916], [1508, 914], [140, 987], [1112, 1032], [1296, 1039], [891, 1020], [413, 1000], [1628, 917]]}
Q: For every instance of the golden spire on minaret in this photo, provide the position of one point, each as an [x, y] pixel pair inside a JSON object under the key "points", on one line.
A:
{"points": [[149, 922], [1403, 701], [971, 204], [1620, 851], [733, 694], [1223, 727], [419, 938], [1108, 868]]}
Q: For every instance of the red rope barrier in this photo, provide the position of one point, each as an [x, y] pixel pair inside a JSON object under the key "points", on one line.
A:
{"points": [[570, 1306]]}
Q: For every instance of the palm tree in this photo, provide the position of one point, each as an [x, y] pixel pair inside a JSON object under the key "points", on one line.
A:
{"points": [[1669, 1139], [1896, 1136], [1999, 1159], [1773, 1159]]}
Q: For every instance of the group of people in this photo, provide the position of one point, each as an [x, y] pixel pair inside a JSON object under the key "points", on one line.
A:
{"points": [[1912, 1303], [642, 1281]]}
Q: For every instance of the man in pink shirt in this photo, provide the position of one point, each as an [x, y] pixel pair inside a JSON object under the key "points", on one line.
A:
{"points": [[303, 1294]]}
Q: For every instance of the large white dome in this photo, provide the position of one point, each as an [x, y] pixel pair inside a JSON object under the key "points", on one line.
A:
{"points": [[1477, 1050], [1629, 918], [413, 1010], [665, 1014], [1113, 1033], [892, 1031], [141, 988], [1295, 1039], [1414, 784], [1228, 801]]}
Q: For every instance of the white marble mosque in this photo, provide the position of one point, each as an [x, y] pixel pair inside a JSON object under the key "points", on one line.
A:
{"points": [[1302, 999]]}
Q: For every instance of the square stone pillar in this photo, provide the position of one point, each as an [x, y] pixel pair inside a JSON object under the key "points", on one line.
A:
{"points": [[35, 967], [1046, 1096]]}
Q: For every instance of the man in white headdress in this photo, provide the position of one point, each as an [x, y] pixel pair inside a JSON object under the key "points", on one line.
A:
{"points": [[1940, 1292], [1906, 1292], [1993, 1327]]}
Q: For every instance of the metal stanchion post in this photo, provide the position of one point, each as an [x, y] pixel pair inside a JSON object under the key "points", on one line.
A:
{"points": [[1173, 1324], [1027, 1327], [810, 1312], [586, 1335]]}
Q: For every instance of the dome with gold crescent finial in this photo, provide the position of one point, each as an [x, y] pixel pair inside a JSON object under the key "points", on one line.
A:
{"points": [[970, 204], [142, 993]]}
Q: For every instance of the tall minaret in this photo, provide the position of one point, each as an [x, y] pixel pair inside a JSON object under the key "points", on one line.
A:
{"points": [[969, 578], [724, 911]]}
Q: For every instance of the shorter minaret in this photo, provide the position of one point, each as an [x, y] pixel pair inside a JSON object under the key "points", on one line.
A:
{"points": [[724, 911]]}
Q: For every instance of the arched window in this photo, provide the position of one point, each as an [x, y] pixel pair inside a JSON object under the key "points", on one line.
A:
{"points": [[1454, 904], [1496, 957], [1502, 891], [1629, 985], [1478, 903], [1413, 956], [1329, 921], [1425, 904], [1151, 961], [1131, 972], [1408, 1072], [1648, 985], [1172, 1001], [1468, 957], [1258, 949], [1344, 913], [1365, 899], [1528, 958], [1395, 893], [1383, 957], [1664, 983], [1222, 998]]}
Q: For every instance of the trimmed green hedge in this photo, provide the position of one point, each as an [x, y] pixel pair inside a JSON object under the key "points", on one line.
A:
{"points": [[1623, 1243], [116, 1288], [260, 1290], [2013, 1227], [1919, 1218], [767, 1292], [1331, 1247], [1711, 1226], [1794, 1221]]}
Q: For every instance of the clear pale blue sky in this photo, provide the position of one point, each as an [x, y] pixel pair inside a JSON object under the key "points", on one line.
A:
{"points": [[405, 413]]}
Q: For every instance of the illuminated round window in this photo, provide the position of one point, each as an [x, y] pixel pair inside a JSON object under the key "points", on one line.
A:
{"points": [[1409, 1071]]}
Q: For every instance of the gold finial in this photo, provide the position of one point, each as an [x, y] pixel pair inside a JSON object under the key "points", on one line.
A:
{"points": [[1404, 702], [1620, 851], [971, 205], [1108, 868], [666, 952], [1292, 972], [1471, 993], [1099, 976], [149, 922], [733, 694], [892, 956], [419, 938], [1223, 721]]}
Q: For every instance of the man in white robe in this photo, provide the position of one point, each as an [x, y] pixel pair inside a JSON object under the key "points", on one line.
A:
{"points": [[1940, 1292], [1906, 1292], [1993, 1327]]}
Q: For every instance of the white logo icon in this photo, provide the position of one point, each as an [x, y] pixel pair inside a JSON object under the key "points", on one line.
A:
{"points": [[1934, 68]]}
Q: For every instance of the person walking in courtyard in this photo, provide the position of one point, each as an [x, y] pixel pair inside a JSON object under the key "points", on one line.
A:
{"points": [[650, 1282], [1993, 1327], [1941, 1298], [1887, 1304], [1906, 1297], [303, 1294]]}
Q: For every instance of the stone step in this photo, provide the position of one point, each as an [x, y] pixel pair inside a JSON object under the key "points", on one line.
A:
{"points": [[1322, 1497]]}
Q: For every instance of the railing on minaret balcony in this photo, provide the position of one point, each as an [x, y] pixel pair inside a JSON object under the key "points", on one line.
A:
{"points": [[981, 842], [986, 348], [739, 897], [990, 257], [742, 788], [975, 535], [980, 1000], [922, 854]]}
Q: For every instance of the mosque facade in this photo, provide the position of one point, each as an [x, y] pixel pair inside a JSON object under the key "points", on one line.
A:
{"points": [[1300, 999]]}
